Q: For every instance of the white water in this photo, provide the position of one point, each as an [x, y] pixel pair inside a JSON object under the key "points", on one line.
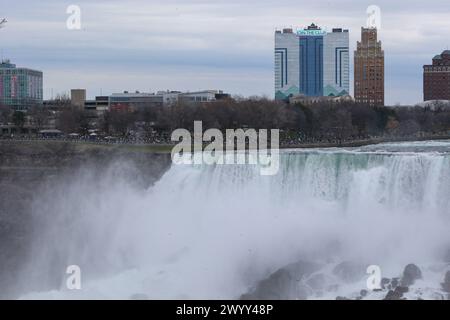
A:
{"points": [[213, 232]]}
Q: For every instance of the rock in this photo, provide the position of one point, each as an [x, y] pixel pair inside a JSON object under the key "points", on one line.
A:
{"points": [[410, 275], [245, 296], [385, 282], [286, 283], [363, 293], [401, 290], [389, 295], [394, 283], [341, 298], [393, 295], [446, 284], [139, 296], [349, 271], [396, 294]]}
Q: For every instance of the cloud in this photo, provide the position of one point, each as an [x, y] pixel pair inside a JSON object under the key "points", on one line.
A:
{"points": [[215, 37]]}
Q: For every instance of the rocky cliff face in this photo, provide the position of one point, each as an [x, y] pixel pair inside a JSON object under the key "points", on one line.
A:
{"points": [[28, 168]]}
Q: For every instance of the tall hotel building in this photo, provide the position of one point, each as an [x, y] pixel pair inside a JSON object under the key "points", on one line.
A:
{"points": [[311, 62], [369, 69], [20, 88], [436, 78]]}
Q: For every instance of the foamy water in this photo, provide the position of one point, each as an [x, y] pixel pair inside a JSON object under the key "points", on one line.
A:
{"points": [[212, 232]]}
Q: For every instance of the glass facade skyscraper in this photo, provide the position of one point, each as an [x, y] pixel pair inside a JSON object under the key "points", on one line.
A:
{"points": [[311, 62], [20, 88]]}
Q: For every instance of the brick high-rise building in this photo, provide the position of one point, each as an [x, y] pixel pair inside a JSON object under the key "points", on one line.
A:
{"points": [[436, 78], [369, 69]]}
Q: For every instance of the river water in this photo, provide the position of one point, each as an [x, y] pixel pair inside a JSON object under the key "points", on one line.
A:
{"points": [[213, 232]]}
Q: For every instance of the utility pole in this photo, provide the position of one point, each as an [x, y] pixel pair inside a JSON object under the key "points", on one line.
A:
{"points": [[3, 21]]}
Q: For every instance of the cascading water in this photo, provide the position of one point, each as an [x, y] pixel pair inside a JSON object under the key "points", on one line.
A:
{"points": [[213, 232]]}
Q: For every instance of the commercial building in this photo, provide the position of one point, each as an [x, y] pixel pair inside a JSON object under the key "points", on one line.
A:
{"points": [[436, 78], [203, 96], [101, 104], [78, 97], [336, 60], [130, 101], [20, 88], [287, 64], [311, 62], [369, 69], [137, 100]]}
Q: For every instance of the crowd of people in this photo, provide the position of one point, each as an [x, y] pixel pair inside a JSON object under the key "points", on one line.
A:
{"points": [[321, 123]]}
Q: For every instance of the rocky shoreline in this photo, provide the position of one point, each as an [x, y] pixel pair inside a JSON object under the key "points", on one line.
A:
{"points": [[167, 147], [306, 280]]}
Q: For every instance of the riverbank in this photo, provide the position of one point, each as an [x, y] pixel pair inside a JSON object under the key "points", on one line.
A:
{"points": [[361, 143], [81, 146]]}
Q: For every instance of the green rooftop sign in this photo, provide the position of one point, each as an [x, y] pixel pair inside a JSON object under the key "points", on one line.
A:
{"points": [[311, 32]]}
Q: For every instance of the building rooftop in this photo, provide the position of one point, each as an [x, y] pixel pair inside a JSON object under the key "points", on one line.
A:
{"points": [[313, 27], [132, 94], [6, 64]]}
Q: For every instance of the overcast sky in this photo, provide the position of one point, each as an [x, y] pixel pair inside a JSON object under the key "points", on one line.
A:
{"points": [[206, 44]]}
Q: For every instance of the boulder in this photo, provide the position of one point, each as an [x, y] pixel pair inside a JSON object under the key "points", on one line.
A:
{"points": [[342, 298], [287, 283], [394, 283], [385, 282], [396, 294], [410, 275], [139, 296], [401, 290]]}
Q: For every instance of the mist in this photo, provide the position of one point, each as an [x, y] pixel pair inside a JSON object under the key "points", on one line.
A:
{"points": [[214, 232]]}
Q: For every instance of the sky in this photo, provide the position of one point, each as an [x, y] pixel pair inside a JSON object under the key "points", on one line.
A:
{"points": [[192, 45]]}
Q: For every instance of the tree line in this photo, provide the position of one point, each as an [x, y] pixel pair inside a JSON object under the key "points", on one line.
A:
{"points": [[323, 121], [316, 122]]}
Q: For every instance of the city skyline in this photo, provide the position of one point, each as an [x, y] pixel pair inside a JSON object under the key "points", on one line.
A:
{"points": [[155, 46]]}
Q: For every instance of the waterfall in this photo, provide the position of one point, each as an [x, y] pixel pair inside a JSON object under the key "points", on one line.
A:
{"points": [[212, 232]]}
